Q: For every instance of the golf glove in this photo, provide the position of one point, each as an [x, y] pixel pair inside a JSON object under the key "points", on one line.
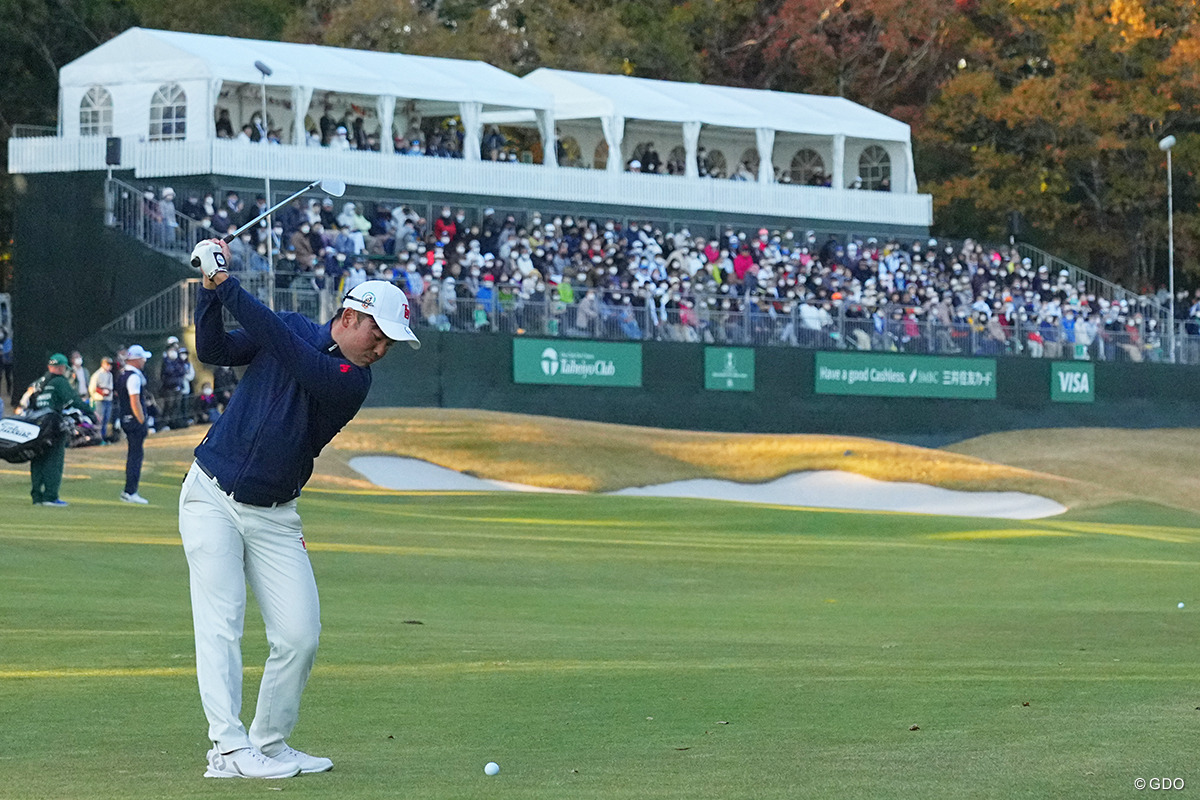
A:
{"points": [[209, 258]]}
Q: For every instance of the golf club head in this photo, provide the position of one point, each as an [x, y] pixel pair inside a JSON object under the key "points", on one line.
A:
{"points": [[332, 186]]}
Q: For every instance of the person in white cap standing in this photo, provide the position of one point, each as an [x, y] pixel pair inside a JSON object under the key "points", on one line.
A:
{"points": [[130, 388], [237, 511]]}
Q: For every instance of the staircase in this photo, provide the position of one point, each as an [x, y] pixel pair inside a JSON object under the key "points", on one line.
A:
{"points": [[1094, 284], [173, 309]]}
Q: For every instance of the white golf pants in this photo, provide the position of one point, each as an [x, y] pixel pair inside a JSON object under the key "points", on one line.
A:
{"points": [[229, 544]]}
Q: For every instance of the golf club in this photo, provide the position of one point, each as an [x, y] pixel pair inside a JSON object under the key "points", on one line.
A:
{"points": [[330, 186]]}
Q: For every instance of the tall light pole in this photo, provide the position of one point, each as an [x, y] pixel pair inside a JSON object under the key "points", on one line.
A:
{"points": [[264, 71], [1165, 145]]}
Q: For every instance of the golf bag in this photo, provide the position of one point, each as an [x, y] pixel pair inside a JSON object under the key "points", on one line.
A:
{"points": [[25, 438], [79, 428]]}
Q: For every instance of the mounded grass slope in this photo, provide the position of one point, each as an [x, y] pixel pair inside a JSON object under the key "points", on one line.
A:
{"points": [[1159, 465], [592, 456]]}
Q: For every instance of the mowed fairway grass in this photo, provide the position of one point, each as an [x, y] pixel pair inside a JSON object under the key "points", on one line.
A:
{"points": [[603, 647]]}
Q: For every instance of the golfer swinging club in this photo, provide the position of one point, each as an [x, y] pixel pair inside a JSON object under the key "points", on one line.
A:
{"points": [[237, 510]]}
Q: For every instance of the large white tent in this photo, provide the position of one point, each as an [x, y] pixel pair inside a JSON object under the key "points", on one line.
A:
{"points": [[834, 128], [127, 75], [162, 85]]}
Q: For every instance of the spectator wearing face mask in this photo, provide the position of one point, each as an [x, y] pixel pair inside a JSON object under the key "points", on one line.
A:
{"points": [[302, 244], [79, 376], [444, 227], [206, 404], [100, 389], [587, 315], [221, 223], [186, 411], [461, 229], [355, 225], [241, 252], [171, 375], [355, 275], [485, 303]]}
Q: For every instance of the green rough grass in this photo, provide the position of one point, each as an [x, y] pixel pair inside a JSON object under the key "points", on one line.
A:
{"points": [[604, 647]]}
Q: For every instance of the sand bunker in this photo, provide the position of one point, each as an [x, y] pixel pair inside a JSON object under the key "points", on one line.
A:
{"points": [[830, 489]]}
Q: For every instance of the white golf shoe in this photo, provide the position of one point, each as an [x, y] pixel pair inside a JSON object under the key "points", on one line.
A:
{"points": [[134, 498], [308, 764], [248, 762]]}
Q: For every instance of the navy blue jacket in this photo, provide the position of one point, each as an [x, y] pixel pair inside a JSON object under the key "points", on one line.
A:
{"points": [[297, 393]]}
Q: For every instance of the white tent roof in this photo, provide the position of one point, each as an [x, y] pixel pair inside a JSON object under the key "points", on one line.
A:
{"points": [[581, 95], [140, 54]]}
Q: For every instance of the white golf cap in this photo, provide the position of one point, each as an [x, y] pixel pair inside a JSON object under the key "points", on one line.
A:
{"points": [[136, 351], [388, 305]]}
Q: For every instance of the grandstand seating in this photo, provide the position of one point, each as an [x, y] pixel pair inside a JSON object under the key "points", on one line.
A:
{"points": [[553, 274]]}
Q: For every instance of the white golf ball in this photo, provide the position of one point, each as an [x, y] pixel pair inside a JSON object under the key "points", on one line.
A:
{"points": [[491, 768], [1181, 605]]}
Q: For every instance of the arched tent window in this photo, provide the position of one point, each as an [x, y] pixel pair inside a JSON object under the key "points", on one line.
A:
{"points": [[677, 161], [808, 168], [600, 157], [747, 166], [168, 113], [647, 155], [96, 113], [875, 168], [715, 165], [571, 155]]}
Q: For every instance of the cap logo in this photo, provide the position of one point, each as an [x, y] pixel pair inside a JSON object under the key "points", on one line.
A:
{"points": [[368, 300], [406, 312]]}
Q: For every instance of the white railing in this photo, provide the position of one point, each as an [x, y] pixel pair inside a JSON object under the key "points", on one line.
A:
{"points": [[152, 160], [127, 210], [169, 311], [55, 154], [22, 131], [1093, 284]]}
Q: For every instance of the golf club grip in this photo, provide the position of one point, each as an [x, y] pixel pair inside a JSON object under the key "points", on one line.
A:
{"points": [[229, 237]]}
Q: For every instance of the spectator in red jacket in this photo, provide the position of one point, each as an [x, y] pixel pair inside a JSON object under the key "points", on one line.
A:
{"points": [[445, 227]]}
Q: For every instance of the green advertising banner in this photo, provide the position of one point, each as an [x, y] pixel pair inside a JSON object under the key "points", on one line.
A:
{"points": [[729, 369], [1072, 382], [570, 363], [905, 376]]}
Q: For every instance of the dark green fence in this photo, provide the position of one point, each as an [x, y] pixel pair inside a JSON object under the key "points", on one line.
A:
{"points": [[458, 370], [72, 273]]}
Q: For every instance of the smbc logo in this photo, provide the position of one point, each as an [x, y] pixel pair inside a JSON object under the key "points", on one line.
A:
{"points": [[550, 361]]}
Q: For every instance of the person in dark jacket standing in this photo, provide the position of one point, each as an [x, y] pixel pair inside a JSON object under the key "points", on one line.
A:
{"points": [[237, 512], [52, 392], [130, 388], [224, 382], [171, 374]]}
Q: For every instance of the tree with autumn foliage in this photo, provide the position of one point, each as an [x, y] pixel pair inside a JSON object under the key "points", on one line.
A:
{"points": [[1055, 111], [890, 55], [1052, 108], [517, 36]]}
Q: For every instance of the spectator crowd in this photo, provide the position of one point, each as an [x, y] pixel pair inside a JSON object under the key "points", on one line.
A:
{"points": [[606, 278], [174, 398], [445, 138], [562, 275], [442, 138]]}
